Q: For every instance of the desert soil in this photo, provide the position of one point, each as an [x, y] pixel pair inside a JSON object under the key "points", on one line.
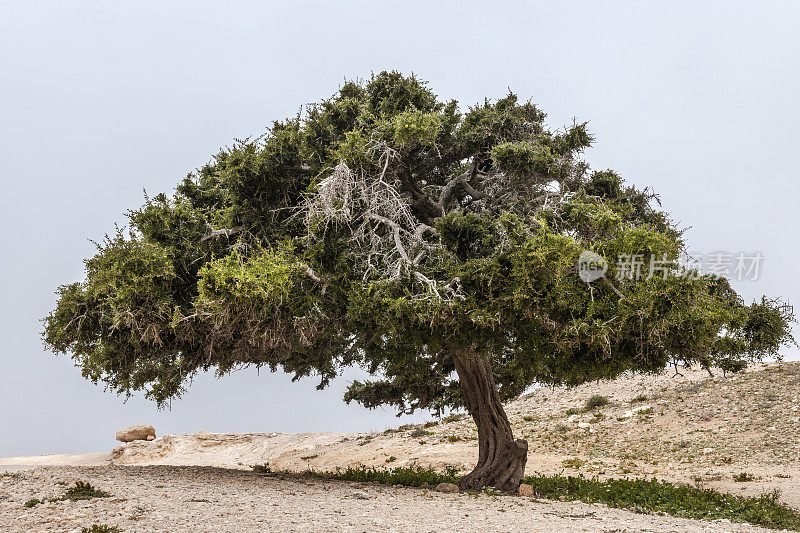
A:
{"points": [[178, 499], [689, 428]]}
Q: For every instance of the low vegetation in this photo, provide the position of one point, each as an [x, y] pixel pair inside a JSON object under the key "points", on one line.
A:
{"points": [[407, 476], [677, 500], [33, 502], [101, 528], [84, 490], [642, 496], [596, 401]]}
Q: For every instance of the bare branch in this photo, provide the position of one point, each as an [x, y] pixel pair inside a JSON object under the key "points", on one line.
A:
{"points": [[222, 232]]}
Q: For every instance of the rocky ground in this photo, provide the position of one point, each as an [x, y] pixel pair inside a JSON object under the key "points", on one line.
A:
{"points": [[689, 428], [199, 499]]}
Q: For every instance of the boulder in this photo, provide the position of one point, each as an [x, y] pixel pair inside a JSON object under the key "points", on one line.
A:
{"points": [[526, 490], [133, 433], [447, 487]]}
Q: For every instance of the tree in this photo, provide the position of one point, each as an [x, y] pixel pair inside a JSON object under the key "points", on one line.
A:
{"points": [[436, 249]]}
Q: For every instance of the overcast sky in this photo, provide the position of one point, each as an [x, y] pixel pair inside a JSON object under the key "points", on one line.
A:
{"points": [[100, 100]]}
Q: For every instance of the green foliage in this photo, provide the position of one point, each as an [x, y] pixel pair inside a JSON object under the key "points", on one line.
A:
{"points": [[33, 502], [101, 528], [83, 490], [677, 500], [743, 477], [456, 232], [416, 127], [596, 401], [523, 160], [408, 476]]}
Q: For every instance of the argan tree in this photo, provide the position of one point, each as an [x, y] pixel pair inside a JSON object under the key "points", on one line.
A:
{"points": [[434, 247]]}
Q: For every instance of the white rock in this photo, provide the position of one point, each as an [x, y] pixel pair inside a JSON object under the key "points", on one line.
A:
{"points": [[140, 432]]}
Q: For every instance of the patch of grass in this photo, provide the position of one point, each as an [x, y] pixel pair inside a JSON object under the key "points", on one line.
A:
{"points": [[574, 462], [640, 398], [309, 457], [452, 418], [101, 528], [13, 475], [527, 418], [84, 490], [596, 401], [391, 459], [636, 494], [572, 411], [453, 438], [411, 477], [33, 502], [677, 500], [743, 477]]}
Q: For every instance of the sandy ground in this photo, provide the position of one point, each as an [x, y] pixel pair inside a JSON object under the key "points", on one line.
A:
{"points": [[177, 499], [689, 428]]}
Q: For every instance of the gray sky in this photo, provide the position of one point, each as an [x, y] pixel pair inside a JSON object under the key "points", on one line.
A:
{"points": [[102, 99]]}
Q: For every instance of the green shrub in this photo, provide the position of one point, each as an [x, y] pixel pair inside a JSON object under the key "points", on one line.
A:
{"points": [[101, 528], [677, 500], [84, 491], [33, 502], [411, 477], [743, 477], [596, 401]]}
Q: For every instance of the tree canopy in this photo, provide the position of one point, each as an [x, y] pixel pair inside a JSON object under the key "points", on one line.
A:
{"points": [[387, 229]]}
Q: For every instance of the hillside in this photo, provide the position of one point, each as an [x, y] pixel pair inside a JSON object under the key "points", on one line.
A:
{"points": [[689, 428]]}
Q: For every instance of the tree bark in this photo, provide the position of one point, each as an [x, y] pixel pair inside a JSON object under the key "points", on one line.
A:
{"points": [[501, 459]]}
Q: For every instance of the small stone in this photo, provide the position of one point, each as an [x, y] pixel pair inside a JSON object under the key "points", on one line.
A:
{"points": [[360, 496], [526, 490], [141, 432], [151, 437], [447, 487]]}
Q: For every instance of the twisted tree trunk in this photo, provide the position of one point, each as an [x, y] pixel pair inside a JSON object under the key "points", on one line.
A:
{"points": [[501, 459]]}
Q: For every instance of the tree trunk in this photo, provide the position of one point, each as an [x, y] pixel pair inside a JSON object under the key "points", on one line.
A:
{"points": [[501, 459]]}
